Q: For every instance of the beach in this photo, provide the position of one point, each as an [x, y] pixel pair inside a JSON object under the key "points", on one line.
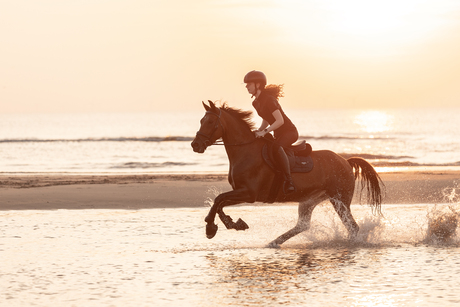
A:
{"points": [[135, 240], [145, 191]]}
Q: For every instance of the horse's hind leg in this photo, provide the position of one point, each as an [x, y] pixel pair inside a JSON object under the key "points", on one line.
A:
{"points": [[341, 205], [303, 223]]}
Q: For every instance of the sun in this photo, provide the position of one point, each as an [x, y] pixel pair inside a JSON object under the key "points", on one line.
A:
{"points": [[374, 121], [360, 27], [367, 19]]}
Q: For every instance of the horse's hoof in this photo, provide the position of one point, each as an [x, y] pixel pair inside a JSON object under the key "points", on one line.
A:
{"points": [[211, 230], [353, 237], [241, 225], [273, 244], [208, 219]]}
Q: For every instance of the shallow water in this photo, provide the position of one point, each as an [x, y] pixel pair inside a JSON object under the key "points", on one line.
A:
{"points": [[161, 257]]}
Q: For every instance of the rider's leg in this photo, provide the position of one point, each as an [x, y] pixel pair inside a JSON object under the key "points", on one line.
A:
{"points": [[283, 162], [282, 141]]}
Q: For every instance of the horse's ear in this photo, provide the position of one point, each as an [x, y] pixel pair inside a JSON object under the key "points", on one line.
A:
{"points": [[213, 106], [206, 107]]}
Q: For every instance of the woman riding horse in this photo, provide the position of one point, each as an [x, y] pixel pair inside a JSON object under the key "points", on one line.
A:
{"points": [[273, 119], [332, 177]]}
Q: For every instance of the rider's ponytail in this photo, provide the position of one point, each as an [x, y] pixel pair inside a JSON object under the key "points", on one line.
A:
{"points": [[274, 90]]}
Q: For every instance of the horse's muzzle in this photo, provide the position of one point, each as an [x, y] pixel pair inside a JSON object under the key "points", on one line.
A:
{"points": [[198, 146]]}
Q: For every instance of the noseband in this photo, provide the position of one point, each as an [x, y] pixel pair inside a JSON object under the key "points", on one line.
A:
{"points": [[207, 138]]}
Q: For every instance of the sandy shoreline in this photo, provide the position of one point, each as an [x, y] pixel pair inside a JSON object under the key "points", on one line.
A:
{"points": [[73, 191]]}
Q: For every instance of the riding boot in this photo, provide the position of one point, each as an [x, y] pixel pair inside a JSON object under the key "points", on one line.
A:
{"points": [[283, 162]]}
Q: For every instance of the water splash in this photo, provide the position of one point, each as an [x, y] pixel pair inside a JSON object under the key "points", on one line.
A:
{"points": [[371, 229], [452, 195], [442, 225], [213, 192], [400, 225], [328, 230], [443, 220]]}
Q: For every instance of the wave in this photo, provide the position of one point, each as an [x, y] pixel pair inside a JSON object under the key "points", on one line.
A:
{"points": [[389, 160], [381, 163], [341, 137], [408, 163], [374, 157], [171, 139], [114, 139], [144, 165], [174, 165]]}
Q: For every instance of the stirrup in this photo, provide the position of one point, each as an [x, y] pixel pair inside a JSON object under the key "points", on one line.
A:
{"points": [[288, 187]]}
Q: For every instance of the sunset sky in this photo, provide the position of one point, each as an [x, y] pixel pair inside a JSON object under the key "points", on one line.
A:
{"points": [[144, 55]]}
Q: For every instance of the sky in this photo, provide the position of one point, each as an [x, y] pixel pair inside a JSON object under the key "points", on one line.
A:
{"points": [[152, 55]]}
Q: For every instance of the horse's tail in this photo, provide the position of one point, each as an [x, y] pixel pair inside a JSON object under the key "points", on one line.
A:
{"points": [[370, 180]]}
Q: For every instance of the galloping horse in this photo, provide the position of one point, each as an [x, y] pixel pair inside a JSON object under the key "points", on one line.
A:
{"points": [[332, 178]]}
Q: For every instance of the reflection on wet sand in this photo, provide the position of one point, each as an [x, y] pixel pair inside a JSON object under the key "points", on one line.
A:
{"points": [[258, 277], [162, 258]]}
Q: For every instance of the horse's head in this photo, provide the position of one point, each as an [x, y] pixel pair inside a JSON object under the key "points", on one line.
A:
{"points": [[210, 129]]}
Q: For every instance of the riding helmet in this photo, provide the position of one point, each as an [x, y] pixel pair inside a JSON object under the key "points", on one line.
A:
{"points": [[256, 77]]}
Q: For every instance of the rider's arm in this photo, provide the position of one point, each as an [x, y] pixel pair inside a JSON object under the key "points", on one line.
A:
{"points": [[279, 121], [264, 128], [263, 125]]}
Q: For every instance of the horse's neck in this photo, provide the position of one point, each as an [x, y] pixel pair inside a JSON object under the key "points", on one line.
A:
{"points": [[236, 133], [239, 141]]}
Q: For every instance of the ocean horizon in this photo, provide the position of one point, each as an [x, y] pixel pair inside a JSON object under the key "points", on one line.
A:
{"points": [[160, 141]]}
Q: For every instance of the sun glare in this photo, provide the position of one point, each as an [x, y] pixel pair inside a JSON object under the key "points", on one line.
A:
{"points": [[374, 121], [360, 27], [368, 19]]}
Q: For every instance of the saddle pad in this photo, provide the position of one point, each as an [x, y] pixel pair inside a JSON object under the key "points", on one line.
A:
{"points": [[302, 164], [298, 164]]}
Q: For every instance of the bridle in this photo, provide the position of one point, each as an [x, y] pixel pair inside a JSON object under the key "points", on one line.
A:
{"points": [[207, 138]]}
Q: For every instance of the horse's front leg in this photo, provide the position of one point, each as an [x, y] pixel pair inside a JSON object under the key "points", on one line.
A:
{"points": [[228, 221], [227, 199]]}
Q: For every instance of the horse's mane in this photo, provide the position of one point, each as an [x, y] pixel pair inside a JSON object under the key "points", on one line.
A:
{"points": [[243, 116]]}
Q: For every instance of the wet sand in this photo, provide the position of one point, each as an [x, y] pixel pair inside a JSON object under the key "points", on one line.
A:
{"points": [[86, 191]]}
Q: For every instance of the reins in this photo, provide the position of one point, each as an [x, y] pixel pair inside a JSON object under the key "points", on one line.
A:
{"points": [[221, 142]]}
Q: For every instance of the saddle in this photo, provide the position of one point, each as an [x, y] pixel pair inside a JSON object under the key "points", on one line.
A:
{"points": [[300, 161], [298, 155]]}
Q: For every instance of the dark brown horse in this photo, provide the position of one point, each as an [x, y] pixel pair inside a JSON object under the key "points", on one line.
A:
{"points": [[332, 178]]}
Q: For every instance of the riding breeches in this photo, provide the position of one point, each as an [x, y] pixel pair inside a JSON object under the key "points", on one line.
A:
{"points": [[286, 139]]}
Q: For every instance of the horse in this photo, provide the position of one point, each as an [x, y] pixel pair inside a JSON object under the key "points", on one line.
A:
{"points": [[332, 177]]}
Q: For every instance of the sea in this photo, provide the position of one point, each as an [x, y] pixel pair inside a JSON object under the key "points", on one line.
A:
{"points": [[159, 142], [409, 256]]}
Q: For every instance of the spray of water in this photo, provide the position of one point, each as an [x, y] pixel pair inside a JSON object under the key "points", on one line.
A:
{"points": [[328, 231], [443, 220], [442, 224], [212, 192], [452, 195], [398, 226]]}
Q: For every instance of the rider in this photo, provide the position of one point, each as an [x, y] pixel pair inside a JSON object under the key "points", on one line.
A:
{"points": [[273, 119]]}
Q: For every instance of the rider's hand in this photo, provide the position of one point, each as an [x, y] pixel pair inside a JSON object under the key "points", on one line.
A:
{"points": [[259, 134]]}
